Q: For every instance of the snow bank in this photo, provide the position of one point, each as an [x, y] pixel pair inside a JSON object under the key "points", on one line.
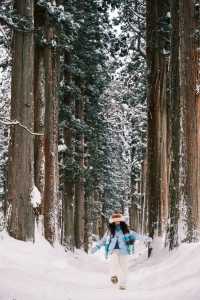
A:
{"points": [[40, 272]]}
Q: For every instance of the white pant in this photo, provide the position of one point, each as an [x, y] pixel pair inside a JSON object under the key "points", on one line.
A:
{"points": [[119, 266]]}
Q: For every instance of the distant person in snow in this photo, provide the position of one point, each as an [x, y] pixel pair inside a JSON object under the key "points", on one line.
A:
{"points": [[119, 244]]}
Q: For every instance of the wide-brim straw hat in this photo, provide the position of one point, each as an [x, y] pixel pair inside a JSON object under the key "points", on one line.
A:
{"points": [[116, 217]]}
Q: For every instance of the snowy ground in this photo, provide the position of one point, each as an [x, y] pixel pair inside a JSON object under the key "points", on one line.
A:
{"points": [[40, 272]]}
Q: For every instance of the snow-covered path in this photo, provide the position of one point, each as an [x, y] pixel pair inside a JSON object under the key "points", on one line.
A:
{"points": [[40, 272]]}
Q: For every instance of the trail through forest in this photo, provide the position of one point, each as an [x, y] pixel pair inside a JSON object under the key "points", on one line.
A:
{"points": [[41, 272]]}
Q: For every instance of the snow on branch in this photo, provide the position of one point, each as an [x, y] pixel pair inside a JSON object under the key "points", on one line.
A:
{"points": [[3, 33], [15, 122], [138, 15]]}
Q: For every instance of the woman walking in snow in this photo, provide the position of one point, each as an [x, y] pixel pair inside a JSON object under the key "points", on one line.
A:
{"points": [[119, 244]]}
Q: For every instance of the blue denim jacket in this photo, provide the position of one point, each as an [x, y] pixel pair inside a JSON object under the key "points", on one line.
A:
{"points": [[125, 242]]}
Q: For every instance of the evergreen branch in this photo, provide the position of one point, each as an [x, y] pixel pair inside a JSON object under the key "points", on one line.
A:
{"points": [[7, 46], [25, 27], [16, 21]]}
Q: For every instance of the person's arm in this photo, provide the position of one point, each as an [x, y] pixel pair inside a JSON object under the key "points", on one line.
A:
{"points": [[147, 240]]}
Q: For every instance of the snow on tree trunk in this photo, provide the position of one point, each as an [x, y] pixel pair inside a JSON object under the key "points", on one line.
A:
{"points": [[20, 170]]}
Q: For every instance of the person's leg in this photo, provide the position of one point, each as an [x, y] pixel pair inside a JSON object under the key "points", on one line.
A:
{"points": [[123, 261], [114, 266]]}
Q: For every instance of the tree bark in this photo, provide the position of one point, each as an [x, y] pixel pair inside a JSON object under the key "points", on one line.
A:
{"points": [[189, 61], [79, 184], [157, 62], [51, 64], [39, 107], [68, 197], [175, 122], [20, 170], [86, 223]]}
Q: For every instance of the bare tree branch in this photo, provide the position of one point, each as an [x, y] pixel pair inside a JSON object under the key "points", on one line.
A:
{"points": [[15, 123], [138, 15]]}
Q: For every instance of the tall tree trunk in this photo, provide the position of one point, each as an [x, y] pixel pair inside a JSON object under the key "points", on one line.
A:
{"points": [[164, 143], [88, 195], [175, 123], [189, 79], [68, 197], [143, 196], [39, 119], [20, 171], [79, 185], [153, 169], [86, 223], [39, 106], [157, 162], [51, 64], [196, 208]]}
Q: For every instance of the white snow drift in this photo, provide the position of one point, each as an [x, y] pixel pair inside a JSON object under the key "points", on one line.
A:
{"points": [[40, 272]]}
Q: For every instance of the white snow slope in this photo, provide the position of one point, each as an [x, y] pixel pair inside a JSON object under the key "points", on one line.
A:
{"points": [[40, 272]]}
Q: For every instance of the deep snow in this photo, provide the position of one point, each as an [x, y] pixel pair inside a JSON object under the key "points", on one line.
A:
{"points": [[40, 272]]}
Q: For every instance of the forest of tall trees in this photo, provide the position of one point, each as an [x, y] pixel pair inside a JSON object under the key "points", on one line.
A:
{"points": [[99, 112]]}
